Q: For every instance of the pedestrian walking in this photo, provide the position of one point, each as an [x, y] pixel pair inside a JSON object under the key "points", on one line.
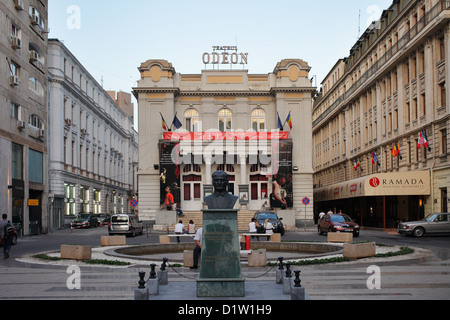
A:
{"points": [[6, 233]]}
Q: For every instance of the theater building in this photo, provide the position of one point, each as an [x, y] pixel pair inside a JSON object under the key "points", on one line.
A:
{"points": [[255, 127], [381, 120]]}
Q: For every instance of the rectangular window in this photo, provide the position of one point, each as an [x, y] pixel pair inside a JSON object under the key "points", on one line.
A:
{"points": [[17, 161], [444, 142], [36, 167]]}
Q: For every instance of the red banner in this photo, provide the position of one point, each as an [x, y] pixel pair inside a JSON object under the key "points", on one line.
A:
{"points": [[211, 136]]}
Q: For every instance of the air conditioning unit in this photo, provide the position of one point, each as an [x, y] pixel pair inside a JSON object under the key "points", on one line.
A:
{"points": [[68, 122], [34, 55], [21, 124], [16, 43], [18, 4], [41, 133], [83, 132], [34, 19], [14, 80]]}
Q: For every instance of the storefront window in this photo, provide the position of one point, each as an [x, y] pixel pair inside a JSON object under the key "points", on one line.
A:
{"points": [[17, 161], [97, 201], [69, 199], [84, 199], [36, 167]]}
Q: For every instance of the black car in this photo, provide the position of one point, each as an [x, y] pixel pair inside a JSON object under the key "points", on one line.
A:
{"points": [[262, 216], [85, 220]]}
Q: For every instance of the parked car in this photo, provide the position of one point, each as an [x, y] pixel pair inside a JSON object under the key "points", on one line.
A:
{"points": [[337, 223], [125, 224], [262, 216], [103, 219], [431, 224], [14, 239], [85, 220]]}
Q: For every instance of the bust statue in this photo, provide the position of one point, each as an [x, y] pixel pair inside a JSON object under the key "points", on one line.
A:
{"points": [[220, 199]]}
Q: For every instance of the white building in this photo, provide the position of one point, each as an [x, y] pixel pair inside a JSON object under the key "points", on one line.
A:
{"points": [[92, 143]]}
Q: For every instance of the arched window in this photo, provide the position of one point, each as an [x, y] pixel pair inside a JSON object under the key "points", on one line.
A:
{"points": [[191, 119], [258, 119], [225, 120]]}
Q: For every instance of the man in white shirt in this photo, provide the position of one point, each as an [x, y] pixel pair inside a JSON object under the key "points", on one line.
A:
{"points": [[179, 229], [198, 248]]}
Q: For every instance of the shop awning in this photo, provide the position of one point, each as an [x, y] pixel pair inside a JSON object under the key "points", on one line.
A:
{"points": [[381, 184]]}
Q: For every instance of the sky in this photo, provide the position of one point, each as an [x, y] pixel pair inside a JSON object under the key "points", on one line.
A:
{"points": [[112, 38]]}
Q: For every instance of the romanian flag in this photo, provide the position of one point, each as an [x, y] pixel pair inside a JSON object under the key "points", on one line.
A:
{"points": [[164, 125], [356, 164], [289, 120], [395, 150]]}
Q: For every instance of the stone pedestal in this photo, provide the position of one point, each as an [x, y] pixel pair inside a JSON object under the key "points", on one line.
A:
{"points": [[220, 273]]}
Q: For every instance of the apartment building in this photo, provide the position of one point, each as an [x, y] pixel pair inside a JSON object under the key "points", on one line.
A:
{"points": [[23, 116], [381, 121], [93, 147]]}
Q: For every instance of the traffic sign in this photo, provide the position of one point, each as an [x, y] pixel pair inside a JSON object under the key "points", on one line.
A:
{"points": [[134, 203], [306, 201]]}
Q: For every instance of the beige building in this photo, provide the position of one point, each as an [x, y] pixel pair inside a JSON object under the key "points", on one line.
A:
{"points": [[227, 120], [378, 104], [23, 116]]}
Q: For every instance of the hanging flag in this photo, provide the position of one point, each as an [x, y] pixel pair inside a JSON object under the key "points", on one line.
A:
{"points": [[280, 125], [374, 158], [289, 120], [425, 140], [420, 141], [395, 150], [356, 164], [164, 125], [176, 123]]}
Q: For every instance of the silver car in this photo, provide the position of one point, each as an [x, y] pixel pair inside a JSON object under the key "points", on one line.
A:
{"points": [[433, 223], [125, 224]]}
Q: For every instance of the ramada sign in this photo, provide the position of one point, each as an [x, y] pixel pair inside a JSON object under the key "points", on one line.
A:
{"points": [[375, 182]]}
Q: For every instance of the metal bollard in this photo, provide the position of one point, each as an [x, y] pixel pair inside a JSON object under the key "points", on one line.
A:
{"points": [[153, 282], [141, 293], [298, 292], [279, 272], [163, 273], [287, 279]]}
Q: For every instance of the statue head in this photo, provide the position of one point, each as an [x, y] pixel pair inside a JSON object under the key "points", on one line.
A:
{"points": [[220, 181]]}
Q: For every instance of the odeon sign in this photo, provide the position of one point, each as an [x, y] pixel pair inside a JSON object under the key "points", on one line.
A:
{"points": [[225, 57]]}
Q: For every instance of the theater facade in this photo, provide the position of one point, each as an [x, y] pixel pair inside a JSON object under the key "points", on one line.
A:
{"points": [[255, 127]]}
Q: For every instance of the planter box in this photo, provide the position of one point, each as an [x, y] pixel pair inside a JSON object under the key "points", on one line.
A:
{"points": [[76, 252], [340, 237], [257, 258], [113, 241], [355, 251]]}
